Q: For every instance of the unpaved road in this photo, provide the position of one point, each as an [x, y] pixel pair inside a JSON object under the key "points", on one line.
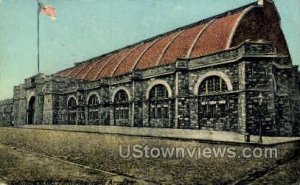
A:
{"points": [[20, 166], [17, 165], [54, 155]]}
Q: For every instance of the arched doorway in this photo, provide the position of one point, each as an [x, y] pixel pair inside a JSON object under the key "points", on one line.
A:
{"points": [[30, 111]]}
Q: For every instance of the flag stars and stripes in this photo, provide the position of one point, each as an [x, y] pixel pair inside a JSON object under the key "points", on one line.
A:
{"points": [[48, 10]]}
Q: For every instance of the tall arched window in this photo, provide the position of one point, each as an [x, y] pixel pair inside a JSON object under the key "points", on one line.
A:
{"points": [[212, 107], [121, 107], [212, 84], [72, 111], [159, 106], [93, 109]]}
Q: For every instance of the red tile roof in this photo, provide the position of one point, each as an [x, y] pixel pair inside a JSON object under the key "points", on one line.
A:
{"points": [[199, 39], [216, 35]]}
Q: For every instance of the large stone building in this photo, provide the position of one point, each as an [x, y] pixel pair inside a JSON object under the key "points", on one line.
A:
{"points": [[230, 72]]}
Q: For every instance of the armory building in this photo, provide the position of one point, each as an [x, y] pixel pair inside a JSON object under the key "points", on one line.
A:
{"points": [[230, 72]]}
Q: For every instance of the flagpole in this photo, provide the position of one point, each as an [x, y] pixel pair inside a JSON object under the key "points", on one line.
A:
{"points": [[38, 36]]}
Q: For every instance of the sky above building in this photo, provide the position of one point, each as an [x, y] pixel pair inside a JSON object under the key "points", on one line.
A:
{"points": [[88, 28]]}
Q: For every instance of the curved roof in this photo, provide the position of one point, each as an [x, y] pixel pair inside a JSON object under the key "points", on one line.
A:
{"points": [[195, 40]]}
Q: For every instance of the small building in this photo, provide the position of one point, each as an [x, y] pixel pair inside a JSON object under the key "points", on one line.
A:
{"points": [[229, 72]]}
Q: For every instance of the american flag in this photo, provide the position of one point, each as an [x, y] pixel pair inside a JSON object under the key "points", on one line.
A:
{"points": [[48, 10]]}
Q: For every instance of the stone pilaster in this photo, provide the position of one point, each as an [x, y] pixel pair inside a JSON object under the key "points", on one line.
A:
{"points": [[242, 126], [182, 106]]}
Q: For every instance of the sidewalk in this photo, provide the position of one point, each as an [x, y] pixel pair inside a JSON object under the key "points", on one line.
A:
{"points": [[169, 133]]}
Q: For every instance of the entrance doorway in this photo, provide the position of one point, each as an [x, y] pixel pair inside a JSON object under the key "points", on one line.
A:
{"points": [[30, 111]]}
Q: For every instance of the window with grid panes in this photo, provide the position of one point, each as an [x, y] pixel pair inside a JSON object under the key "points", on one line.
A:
{"points": [[121, 104], [159, 105], [212, 84], [72, 111], [93, 108]]}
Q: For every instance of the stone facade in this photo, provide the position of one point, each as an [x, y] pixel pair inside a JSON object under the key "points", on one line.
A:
{"points": [[236, 75], [6, 112], [251, 69]]}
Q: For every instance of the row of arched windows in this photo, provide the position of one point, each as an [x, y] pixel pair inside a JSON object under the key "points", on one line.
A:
{"points": [[121, 109], [158, 103]]}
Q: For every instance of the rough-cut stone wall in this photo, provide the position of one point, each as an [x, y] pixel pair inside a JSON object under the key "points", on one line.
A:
{"points": [[6, 112], [249, 70], [295, 103], [259, 80], [182, 99]]}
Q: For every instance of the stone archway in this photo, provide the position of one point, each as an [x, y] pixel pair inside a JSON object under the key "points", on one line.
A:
{"points": [[213, 73], [159, 82], [31, 111], [117, 90]]}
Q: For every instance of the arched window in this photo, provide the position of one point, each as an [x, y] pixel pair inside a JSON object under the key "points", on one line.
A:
{"points": [[93, 107], [159, 106], [72, 110], [121, 104], [72, 102], [212, 107], [212, 84]]}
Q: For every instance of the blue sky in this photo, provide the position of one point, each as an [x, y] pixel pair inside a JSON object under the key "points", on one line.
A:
{"points": [[88, 28]]}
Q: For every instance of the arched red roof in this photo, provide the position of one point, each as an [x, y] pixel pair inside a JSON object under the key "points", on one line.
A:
{"points": [[202, 38]]}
